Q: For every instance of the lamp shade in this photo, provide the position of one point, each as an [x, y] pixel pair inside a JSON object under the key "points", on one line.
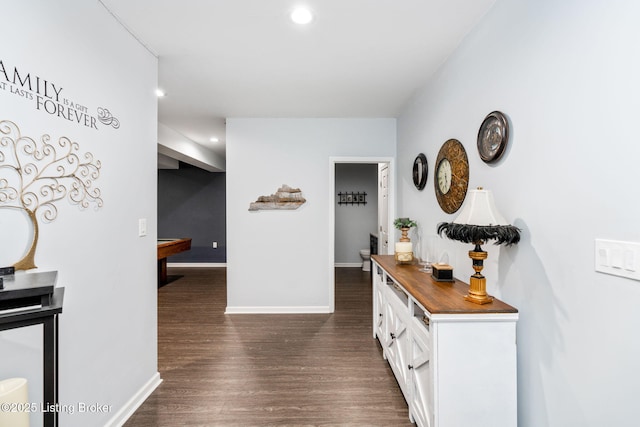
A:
{"points": [[478, 222], [480, 209]]}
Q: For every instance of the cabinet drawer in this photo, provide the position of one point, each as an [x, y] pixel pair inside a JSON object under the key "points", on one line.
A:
{"points": [[421, 331], [421, 321], [396, 295]]}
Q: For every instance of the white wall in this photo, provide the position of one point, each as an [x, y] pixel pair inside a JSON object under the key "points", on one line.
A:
{"points": [[108, 339], [279, 261], [354, 223], [566, 73]]}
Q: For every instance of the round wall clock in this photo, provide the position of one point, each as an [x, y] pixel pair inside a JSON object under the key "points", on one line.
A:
{"points": [[493, 137], [420, 171], [451, 176]]}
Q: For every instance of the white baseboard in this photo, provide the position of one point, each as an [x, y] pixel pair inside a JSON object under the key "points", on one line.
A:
{"points": [[348, 264], [134, 403], [197, 264], [277, 310], [224, 264]]}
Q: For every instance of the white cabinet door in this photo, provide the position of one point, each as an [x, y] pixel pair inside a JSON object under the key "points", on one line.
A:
{"points": [[421, 375], [397, 339], [378, 313], [378, 301]]}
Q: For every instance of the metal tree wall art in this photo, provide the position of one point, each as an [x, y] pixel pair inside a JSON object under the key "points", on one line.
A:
{"points": [[35, 175]]}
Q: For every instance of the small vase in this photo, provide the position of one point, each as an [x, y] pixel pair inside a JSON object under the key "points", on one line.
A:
{"points": [[404, 255]]}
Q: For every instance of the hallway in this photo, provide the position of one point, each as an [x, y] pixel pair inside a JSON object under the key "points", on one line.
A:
{"points": [[268, 370]]}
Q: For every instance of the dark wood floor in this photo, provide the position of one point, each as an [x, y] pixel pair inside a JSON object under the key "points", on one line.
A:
{"points": [[268, 370]]}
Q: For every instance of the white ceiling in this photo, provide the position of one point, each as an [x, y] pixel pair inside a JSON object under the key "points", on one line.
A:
{"points": [[245, 58]]}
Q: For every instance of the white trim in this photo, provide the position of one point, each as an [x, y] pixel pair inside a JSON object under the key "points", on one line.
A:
{"points": [[134, 403], [277, 310], [196, 264], [332, 212], [348, 264]]}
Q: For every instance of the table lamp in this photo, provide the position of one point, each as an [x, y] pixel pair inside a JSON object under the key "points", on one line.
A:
{"points": [[478, 222]]}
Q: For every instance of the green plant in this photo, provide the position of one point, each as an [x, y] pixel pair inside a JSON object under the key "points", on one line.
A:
{"points": [[404, 223]]}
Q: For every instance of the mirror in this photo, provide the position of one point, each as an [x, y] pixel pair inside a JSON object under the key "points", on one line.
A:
{"points": [[420, 171]]}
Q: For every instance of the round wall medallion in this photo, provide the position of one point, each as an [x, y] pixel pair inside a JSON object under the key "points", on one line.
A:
{"points": [[420, 171], [493, 137], [451, 176]]}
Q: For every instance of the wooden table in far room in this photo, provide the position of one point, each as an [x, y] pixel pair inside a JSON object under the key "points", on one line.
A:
{"points": [[166, 248]]}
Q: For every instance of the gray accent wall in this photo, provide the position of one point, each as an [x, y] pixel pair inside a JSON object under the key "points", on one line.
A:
{"points": [[354, 223], [191, 203]]}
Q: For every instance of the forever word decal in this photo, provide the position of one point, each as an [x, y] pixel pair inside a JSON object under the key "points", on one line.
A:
{"points": [[49, 98]]}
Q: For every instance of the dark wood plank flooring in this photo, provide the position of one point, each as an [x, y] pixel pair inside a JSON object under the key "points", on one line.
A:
{"points": [[268, 370]]}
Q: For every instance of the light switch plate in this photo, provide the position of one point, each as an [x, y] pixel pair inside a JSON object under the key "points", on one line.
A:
{"points": [[142, 227], [618, 258]]}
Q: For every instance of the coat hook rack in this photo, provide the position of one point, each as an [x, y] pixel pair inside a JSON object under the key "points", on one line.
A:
{"points": [[352, 198]]}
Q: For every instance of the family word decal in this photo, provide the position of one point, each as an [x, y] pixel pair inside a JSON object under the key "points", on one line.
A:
{"points": [[48, 97]]}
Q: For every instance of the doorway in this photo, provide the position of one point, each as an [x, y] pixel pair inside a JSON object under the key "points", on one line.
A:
{"points": [[385, 209]]}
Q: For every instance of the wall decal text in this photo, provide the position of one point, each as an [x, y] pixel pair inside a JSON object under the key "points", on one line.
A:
{"points": [[49, 97]]}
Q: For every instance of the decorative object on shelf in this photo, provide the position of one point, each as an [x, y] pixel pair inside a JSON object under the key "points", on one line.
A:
{"points": [[14, 394], [6, 271], [493, 137], [420, 171], [442, 272], [286, 198], [37, 174], [28, 290], [478, 222], [404, 248], [427, 252], [451, 176], [404, 225], [352, 198]]}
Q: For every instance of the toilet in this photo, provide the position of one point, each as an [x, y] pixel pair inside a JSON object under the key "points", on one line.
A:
{"points": [[365, 254]]}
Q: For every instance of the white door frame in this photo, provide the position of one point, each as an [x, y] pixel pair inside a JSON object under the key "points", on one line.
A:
{"points": [[332, 210]]}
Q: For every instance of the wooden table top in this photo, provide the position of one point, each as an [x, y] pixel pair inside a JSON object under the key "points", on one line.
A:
{"points": [[437, 297], [168, 247]]}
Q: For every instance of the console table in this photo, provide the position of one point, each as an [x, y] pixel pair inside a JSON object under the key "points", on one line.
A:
{"points": [[455, 361], [47, 315]]}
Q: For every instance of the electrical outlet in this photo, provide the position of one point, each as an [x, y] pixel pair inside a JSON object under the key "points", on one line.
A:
{"points": [[618, 258], [215, 245]]}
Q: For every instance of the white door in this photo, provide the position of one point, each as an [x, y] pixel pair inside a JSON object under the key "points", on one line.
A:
{"points": [[383, 209]]}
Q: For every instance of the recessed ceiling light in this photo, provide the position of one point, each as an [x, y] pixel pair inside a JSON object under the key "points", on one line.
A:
{"points": [[301, 15], [214, 139], [160, 93]]}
